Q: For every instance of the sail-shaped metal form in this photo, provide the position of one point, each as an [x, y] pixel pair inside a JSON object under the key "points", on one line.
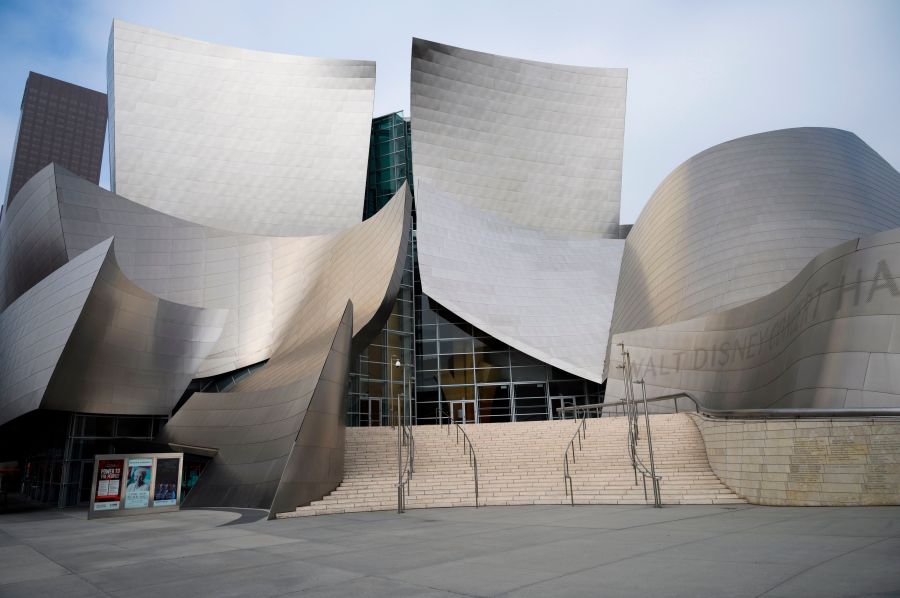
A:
{"points": [[830, 338], [87, 339], [545, 294], [518, 168], [259, 280], [241, 140], [113, 347], [741, 219]]}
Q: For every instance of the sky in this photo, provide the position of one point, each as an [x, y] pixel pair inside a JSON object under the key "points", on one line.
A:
{"points": [[699, 72]]}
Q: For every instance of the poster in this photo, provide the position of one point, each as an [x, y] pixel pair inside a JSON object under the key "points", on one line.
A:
{"points": [[137, 492], [109, 484], [165, 492]]}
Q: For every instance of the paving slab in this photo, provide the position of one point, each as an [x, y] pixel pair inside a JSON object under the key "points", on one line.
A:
{"points": [[614, 550]]}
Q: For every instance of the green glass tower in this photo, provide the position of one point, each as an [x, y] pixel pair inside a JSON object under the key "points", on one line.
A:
{"points": [[390, 161]]}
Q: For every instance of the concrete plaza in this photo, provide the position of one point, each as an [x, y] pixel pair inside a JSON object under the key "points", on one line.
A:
{"points": [[737, 550]]}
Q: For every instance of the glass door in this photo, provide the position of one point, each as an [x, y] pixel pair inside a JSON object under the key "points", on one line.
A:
{"points": [[463, 411], [494, 403], [370, 412], [530, 402]]}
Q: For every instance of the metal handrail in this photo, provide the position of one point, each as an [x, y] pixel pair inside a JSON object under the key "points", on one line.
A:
{"points": [[630, 409], [407, 472], [765, 413], [468, 446], [633, 431], [580, 433]]}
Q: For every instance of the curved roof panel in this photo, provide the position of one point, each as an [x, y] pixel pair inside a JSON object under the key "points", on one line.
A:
{"points": [[741, 219]]}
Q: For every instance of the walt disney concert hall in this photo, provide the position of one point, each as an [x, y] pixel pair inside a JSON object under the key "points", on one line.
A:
{"points": [[276, 280]]}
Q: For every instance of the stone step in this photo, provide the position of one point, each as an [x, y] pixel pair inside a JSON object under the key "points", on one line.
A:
{"points": [[522, 464]]}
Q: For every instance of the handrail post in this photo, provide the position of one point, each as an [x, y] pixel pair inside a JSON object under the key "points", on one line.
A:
{"points": [[476, 480], [657, 500]]}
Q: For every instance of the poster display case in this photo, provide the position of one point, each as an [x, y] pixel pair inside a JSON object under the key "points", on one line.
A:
{"points": [[135, 484]]}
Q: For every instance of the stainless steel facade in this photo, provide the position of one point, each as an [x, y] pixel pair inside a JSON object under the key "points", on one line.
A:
{"points": [[278, 433], [87, 339], [125, 351], [236, 240], [278, 447], [548, 295], [505, 135], [830, 338], [518, 170], [257, 279], [236, 139], [741, 219]]}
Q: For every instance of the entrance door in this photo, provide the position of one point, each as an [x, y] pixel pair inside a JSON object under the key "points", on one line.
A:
{"points": [[370, 412], [530, 403], [493, 403], [463, 411]]}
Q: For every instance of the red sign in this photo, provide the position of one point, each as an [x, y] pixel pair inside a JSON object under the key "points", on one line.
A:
{"points": [[109, 484]]}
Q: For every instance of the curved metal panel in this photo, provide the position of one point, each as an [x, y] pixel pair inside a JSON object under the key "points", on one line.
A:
{"points": [[278, 447], [34, 331], [505, 135], [236, 139], [518, 168], [87, 339], [278, 432], [258, 279], [830, 338], [548, 295], [739, 220], [31, 237]]}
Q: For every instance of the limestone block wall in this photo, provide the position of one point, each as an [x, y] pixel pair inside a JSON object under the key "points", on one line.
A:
{"points": [[822, 462]]}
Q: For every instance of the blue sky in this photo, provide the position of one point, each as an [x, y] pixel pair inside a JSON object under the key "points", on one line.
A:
{"points": [[699, 72]]}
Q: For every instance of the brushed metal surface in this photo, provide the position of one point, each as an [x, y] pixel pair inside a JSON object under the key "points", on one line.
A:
{"points": [[86, 339], [830, 338], [259, 280], [279, 447], [505, 135], [246, 141], [741, 219], [518, 169], [279, 431], [115, 348], [547, 295]]}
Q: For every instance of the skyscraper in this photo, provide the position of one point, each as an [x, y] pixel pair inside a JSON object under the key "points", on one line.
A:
{"points": [[60, 122]]}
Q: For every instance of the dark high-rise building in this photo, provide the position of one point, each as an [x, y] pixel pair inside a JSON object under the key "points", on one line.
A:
{"points": [[62, 123]]}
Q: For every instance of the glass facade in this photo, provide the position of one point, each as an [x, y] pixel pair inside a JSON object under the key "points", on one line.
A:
{"points": [[374, 375], [462, 370], [61, 475], [390, 161]]}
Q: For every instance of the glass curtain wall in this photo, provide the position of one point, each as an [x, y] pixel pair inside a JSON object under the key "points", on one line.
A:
{"points": [[377, 386], [464, 371], [63, 476]]}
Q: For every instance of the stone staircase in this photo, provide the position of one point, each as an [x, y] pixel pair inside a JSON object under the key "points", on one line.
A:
{"points": [[521, 464]]}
